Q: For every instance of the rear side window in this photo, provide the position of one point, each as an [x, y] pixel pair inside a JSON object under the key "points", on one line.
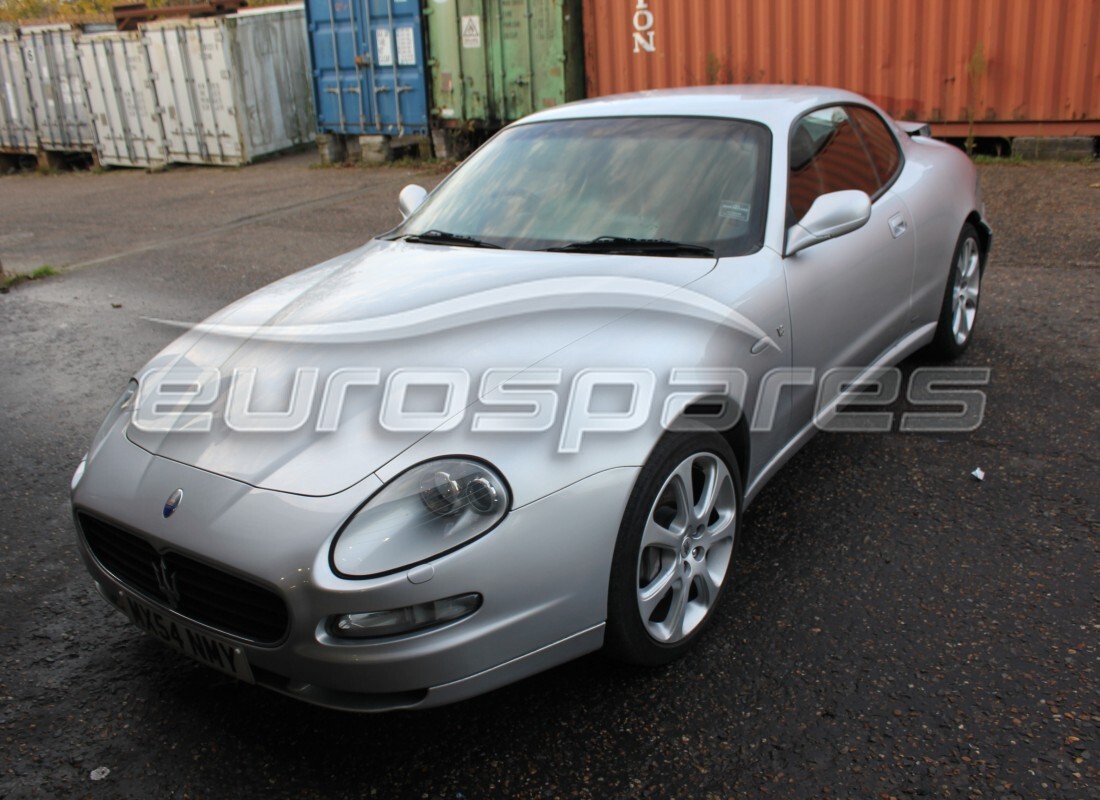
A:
{"points": [[827, 155], [880, 143]]}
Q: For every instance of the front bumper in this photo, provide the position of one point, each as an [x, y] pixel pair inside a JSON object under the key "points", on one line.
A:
{"points": [[542, 573]]}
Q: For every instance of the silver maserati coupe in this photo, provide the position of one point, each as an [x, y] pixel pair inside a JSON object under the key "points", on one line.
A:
{"points": [[524, 424]]}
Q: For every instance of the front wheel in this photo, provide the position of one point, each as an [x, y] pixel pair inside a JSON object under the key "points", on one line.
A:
{"points": [[672, 557], [959, 311]]}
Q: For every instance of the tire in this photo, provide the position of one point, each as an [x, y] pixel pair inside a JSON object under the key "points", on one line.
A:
{"points": [[959, 311], [672, 557]]}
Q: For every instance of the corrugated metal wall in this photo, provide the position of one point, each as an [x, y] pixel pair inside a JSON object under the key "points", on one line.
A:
{"points": [[122, 99], [232, 88], [17, 131], [61, 113], [368, 64], [223, 90], [1009, 67], [494, 61]]}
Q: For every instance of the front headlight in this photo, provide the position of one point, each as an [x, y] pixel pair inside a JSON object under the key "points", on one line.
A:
{"points": [[421, 514]]}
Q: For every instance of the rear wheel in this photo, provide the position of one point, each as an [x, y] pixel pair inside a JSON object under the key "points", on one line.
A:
{"points": [[672, 557], [959, 311]]}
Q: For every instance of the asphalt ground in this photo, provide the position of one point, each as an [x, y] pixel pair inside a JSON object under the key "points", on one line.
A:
{"points": [[897, 627]]}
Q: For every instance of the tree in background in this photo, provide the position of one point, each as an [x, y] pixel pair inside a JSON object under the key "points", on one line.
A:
{"points": [[21, 10], [18, 10]]}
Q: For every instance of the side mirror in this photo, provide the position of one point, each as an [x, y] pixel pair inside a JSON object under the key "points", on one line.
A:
{"points": [[410, 199], [831, 215]]}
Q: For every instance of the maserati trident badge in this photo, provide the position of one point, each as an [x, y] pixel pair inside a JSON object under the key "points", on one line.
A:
{"points": [[166, 582], [173, 503]]}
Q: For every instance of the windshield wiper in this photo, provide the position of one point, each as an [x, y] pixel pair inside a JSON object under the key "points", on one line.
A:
{"points": [[629, 245], [442, 237]]}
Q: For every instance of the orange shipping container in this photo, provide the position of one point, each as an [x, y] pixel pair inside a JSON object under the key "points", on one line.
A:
{"points": [[986, 67]]}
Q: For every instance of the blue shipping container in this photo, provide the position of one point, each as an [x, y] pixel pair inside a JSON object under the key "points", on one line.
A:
{"points": [[369, 75]]}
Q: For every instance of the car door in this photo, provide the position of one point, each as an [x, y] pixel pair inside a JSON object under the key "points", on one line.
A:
{"points": [[849, 296]]}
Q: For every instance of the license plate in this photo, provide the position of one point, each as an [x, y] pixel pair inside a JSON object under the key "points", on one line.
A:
{"points": [[202, 647]]}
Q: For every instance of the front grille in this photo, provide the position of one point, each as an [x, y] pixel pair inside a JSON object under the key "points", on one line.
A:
{"points": [[204, 593]]}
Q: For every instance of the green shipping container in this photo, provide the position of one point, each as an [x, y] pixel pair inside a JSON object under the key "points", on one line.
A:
{"points": [[494, 61]]}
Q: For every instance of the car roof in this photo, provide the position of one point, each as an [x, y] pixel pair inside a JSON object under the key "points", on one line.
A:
{"points": [[777, 106]]}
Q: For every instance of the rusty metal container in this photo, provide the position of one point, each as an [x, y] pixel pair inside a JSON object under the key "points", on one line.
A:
{"points": [[128, 16], [969, 67], [494, 61]]}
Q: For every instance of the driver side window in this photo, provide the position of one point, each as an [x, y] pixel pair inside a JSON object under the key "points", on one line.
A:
{"points": [[826, 155]]}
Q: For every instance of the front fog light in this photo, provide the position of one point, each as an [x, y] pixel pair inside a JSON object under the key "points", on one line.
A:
{"points": [[404, 620], [421, 514]]}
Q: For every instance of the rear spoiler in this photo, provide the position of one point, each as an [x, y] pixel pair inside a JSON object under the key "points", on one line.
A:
{"points": [[915, 128]]}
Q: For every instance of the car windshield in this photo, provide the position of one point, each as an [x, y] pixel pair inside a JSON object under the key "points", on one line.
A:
{"points": [[672, 186]]}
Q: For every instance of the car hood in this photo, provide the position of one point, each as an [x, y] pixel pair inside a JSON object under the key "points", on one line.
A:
{"points": [[287, 388]]}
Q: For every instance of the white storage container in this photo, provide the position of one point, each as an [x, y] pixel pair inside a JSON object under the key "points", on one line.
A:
{"points": [[232, 89], [17, 133], [56, 88], [123, 103]]}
